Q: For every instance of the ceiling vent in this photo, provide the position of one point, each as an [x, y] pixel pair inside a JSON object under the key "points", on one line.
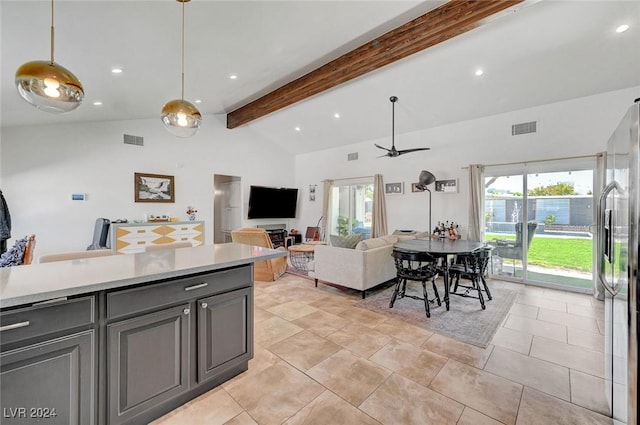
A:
{"points": [[352, 156], [133, 140], [524, 128]]}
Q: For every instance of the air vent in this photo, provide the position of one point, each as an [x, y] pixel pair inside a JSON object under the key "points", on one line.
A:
{"points": [[133, 140], [524, 128], [352, 156]]}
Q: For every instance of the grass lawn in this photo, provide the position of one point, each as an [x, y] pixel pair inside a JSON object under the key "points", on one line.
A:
{"points": [[561, 253]]}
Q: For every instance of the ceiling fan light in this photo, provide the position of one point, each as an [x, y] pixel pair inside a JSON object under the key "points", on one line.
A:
{"points": [[49, 87], [181, 118]]}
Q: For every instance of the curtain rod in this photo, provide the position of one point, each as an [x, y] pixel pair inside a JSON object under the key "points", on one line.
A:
{"points": [[350, 178], [541, 160]]}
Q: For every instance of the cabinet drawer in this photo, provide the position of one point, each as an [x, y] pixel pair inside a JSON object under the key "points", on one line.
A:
{"points": [[44, 319], [131, 301]]}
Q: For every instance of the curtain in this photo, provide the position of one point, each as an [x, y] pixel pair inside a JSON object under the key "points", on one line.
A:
{"points": [[326, 207], [598, 184], [379, 216], [476, 203]]}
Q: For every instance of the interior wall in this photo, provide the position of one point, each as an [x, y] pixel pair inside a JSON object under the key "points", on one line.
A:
{"points": [[565, 129], [41, 166]]}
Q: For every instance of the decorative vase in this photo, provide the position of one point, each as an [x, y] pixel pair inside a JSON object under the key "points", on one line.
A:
{"points": [[192, 217]]}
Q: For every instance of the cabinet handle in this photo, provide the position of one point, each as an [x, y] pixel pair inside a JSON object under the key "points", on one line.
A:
{"points": [[186, 311], [204, 305], [14, 326], [198, 286]]}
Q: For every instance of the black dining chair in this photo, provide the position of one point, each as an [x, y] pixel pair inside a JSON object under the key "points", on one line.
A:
{"points": [[472, 267], [415, 266]]}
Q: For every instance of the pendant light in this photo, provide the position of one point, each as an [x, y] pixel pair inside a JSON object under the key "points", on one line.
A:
{"points": [[179, 116], [49, 86]]}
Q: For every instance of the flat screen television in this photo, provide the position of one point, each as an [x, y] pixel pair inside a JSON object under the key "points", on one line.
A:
{"points": [[272, 202]]}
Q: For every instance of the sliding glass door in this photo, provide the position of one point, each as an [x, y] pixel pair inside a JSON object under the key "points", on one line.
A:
{"points": [[540, 222], [351, 208]]}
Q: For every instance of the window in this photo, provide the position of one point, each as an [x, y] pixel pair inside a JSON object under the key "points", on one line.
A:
{"points": [[555, 199], [351, 207]]}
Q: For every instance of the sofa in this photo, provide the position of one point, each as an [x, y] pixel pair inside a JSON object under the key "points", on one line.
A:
{"points": [[367, 265]]}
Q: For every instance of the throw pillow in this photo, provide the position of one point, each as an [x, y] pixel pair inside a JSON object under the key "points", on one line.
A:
{"points": [[349, 241], [15, 254]]}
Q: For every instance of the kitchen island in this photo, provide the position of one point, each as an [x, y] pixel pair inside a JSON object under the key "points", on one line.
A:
{"points": [[124, 339]]}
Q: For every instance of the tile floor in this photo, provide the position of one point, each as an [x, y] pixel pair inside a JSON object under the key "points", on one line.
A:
{"points": [[319, 360]]}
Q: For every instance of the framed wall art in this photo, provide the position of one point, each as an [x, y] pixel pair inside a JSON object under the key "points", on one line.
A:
{"points": [[394, 188], [154, 188], [416, 187], [447, 186]]}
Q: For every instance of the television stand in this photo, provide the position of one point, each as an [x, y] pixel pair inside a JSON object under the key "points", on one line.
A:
{"points": [[277, 233]]}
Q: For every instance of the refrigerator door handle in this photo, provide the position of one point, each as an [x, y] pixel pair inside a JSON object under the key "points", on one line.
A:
{"points": [[605, 237]]}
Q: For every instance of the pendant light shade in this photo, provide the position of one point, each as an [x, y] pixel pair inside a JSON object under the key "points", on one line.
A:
{"points": [[47, 85], [180, 117]]}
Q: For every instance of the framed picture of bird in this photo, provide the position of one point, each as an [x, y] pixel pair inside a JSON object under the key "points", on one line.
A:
{"points": [[154, 188]]}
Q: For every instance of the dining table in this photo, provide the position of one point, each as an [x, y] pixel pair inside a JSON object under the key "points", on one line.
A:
{"points": [[440, 248]]}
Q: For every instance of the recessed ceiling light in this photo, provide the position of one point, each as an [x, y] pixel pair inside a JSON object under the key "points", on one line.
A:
{"points": [[97, 103], [233, 77], [297, 129], [336, 115], [479, 72], [622, 28], [116, 70], [198, 100]]}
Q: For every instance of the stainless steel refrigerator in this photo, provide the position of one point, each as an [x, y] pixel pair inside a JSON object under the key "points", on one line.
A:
{"points": [[618, 239]]}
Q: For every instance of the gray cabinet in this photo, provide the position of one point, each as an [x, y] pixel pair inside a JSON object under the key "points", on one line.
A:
{"points": [[173, 340], [50, 382], [224, 332], [148, 361]]}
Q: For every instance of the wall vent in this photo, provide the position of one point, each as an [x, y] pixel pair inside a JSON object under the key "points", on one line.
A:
{"points": [[133, 140], [524, 128], [352, 156]]}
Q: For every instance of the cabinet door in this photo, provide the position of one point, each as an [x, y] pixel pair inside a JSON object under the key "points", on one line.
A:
{"points": [[225, 332], [148, 361], [52, 382], [131, 238]]}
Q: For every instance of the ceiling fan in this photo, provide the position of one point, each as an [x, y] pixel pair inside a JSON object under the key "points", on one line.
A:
{"points": [[393, 152]]}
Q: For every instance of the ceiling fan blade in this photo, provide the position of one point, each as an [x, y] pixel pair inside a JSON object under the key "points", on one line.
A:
{"points": [[386, 154], [400, 152], [381, 147]]}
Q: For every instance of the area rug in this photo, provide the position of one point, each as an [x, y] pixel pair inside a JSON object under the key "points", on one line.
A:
{"points": [[465, 321]]}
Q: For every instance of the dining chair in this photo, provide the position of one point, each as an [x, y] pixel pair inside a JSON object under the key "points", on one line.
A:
{"points": [[74, 255], [415, 266], [471, 267], [20, 254]]}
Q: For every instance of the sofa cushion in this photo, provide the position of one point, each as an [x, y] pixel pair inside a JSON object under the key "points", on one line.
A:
{"points": [[348, 241], [368, 244]]}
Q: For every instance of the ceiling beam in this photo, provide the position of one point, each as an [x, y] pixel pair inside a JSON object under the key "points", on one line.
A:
{"points": [[436, 26]]}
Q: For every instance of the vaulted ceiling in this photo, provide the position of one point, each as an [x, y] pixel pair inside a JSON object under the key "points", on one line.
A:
{"points": [[539, 52]]}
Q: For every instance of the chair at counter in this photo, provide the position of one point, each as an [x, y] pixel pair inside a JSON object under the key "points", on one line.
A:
{"points": [[21, 253]]}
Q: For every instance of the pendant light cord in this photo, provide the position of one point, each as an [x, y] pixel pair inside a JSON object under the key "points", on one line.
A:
{"points": [[182, 95], [52, 32]]}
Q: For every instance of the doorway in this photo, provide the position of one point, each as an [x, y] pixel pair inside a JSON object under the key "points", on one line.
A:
{"points": [[539, 219], [227, 206]]}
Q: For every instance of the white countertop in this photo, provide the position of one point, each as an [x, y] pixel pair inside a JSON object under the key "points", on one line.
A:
{"points": [[40, 282]]}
